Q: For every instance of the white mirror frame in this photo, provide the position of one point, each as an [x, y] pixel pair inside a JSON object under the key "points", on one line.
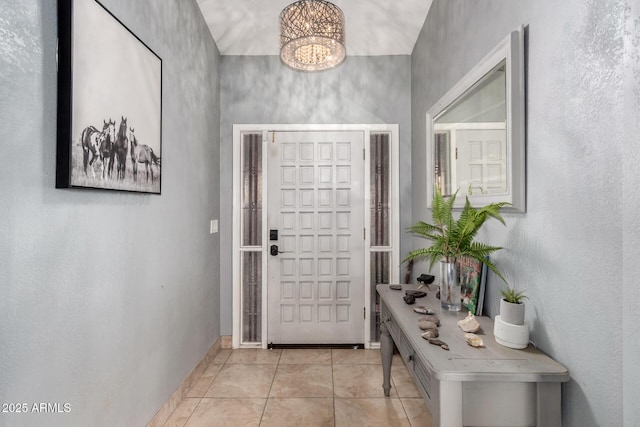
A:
{"points": [[510, 49]]}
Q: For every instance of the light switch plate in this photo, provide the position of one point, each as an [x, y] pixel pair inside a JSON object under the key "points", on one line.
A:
{"points": [[213, 226]]}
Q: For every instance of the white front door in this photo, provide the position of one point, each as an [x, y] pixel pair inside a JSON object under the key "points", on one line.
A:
{"points": [[315, 204]]}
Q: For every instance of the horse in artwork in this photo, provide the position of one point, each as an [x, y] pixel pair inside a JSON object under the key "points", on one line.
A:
{"points": [[143, 154], [119, 150], [97, 144], [106, 146], [91, 139]]}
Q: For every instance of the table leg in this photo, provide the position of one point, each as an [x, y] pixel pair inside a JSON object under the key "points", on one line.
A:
{"points": [[549, 405], [450, 404], [386, 351]]}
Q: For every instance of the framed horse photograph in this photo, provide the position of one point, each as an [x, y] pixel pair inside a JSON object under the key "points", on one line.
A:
{"points": [[109, 103]]}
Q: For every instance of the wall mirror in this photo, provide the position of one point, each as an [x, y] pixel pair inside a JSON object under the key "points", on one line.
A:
{"points": [[476, 132]]}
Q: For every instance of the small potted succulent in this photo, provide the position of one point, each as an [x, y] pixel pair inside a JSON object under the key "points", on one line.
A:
{"points": [[512, 306], [510, 329]]}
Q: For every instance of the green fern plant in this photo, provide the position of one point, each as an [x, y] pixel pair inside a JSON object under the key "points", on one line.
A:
{"points": [[511, 295], [453, 238]]}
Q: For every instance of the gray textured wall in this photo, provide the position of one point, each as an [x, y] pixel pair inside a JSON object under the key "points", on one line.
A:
{"points": [[107, 299], [631, 219], [259, 89], [567, 250]]}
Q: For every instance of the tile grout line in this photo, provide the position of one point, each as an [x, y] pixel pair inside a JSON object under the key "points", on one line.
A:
{"points": [[185, 397], [266, 401], [192, 412], [393, 381], [405, 412], [210, 385], [333, 391], [404, 408]]}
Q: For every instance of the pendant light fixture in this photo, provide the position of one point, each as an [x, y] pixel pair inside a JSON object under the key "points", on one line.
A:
{"points": [[312, 35]]}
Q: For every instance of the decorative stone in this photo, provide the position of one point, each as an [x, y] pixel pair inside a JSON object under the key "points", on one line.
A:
{"points": [[421, 309], [416, 294], [438, 342], [430, 318], [426, 324], [430, 333], [469, 323], [473, 340]]}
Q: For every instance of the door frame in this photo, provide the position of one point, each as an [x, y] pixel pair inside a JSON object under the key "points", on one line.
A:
{"points": [[394, 223]]}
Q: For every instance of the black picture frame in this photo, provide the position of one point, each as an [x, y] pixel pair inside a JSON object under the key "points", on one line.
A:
{"points": [[109, 120]]}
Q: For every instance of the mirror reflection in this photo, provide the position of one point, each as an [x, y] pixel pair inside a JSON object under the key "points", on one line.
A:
{"points": [[470, 139]]}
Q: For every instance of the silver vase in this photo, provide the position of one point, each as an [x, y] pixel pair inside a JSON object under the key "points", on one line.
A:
{"points": [[450, 292]]}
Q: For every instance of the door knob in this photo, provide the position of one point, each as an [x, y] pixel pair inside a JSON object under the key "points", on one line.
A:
{"points": [[274, 250]]}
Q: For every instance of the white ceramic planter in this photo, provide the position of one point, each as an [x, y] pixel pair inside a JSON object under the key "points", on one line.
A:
{"points": [[512, 336], [512, 313]]}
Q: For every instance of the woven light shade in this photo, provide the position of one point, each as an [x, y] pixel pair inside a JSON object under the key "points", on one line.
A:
{"points": [[312, 35]]}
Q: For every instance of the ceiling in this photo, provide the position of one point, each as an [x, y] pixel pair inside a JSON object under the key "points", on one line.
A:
{"points": [[373, 27]]}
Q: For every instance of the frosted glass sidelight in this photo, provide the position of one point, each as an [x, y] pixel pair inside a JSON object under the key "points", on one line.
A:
{"points": [[441, 162], [251, 297], [252, 189], [380, 175], [380, 181], [380, 273]]}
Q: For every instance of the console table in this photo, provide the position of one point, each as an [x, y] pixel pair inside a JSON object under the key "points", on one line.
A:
{"points": [[465, 386]]}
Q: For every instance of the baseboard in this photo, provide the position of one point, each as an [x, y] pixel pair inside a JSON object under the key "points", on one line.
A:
{"points": [[226, 341], [177, 397]]}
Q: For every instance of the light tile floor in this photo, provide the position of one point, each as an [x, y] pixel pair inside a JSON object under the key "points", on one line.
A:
{"points": [[319, 387]]}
